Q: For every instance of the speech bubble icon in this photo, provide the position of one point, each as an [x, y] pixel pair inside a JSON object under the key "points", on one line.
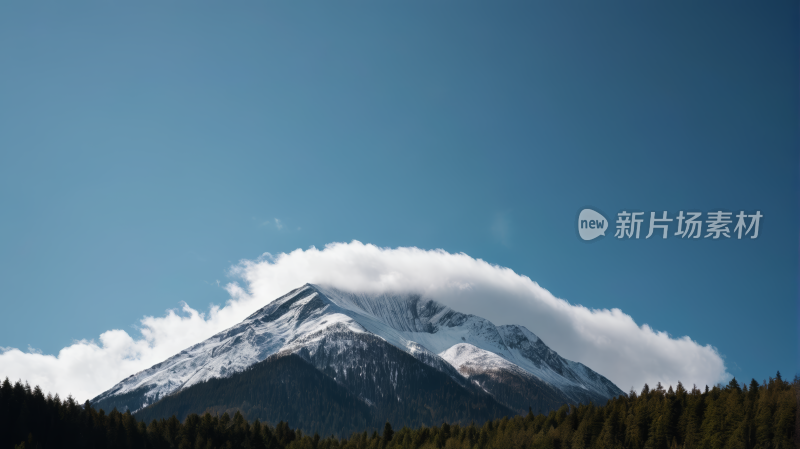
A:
{"points": [[591, 224]]}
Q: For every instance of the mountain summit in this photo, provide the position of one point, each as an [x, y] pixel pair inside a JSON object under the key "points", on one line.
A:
{"points": [[379, 348]]}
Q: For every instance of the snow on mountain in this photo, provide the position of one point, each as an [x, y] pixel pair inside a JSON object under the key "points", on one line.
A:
{"points": [[314, 318], [466, 357], [414, 320], [506, 382], [260, 335]]}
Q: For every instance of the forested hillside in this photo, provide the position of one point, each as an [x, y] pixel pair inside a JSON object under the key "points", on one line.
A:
{"points": [[734, 416]]}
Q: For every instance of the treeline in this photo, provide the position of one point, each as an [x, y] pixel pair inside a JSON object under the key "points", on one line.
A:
{"points": [[756, 416]]}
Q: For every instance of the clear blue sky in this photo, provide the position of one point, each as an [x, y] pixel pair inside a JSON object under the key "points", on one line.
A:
{"points": [[143, 147]]}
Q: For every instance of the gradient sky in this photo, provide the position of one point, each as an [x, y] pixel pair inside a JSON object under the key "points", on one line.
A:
{"points": [[145, 148]]}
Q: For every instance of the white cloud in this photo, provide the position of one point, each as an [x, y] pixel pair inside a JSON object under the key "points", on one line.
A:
{"points": [[278, 224], [608, 341]]}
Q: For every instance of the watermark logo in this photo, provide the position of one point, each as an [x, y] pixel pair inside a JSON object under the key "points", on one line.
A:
{"points": [[685, 224], [591, 224]]}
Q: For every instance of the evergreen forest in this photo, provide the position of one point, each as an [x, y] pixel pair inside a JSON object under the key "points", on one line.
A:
{"points": [[732, 416]]}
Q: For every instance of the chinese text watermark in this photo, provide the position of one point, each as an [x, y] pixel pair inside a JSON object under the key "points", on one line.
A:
{"points": [[687, 225]]}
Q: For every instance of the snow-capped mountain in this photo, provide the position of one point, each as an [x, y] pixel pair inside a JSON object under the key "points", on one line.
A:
{"points": [[355, 338]]}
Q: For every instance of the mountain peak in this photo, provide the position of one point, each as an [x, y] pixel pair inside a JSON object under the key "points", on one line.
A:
{"points": [[316, 322]]}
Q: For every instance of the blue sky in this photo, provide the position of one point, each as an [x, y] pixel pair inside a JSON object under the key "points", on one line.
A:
{"points": [[145, 149]]}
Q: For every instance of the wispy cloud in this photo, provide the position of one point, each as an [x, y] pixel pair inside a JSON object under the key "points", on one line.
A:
{"points": [[607, 340], [277, 222]]}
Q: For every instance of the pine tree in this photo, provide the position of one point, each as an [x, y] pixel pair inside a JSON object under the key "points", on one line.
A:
{"points": [[388, 433]]}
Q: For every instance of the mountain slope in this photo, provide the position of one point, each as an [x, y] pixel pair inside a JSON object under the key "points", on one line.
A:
{"points": [[412, 320], [286, 387], [277, 389], [508, 383]]}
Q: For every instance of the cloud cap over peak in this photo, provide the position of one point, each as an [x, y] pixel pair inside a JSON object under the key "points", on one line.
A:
{"points": [[607, 340]]}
